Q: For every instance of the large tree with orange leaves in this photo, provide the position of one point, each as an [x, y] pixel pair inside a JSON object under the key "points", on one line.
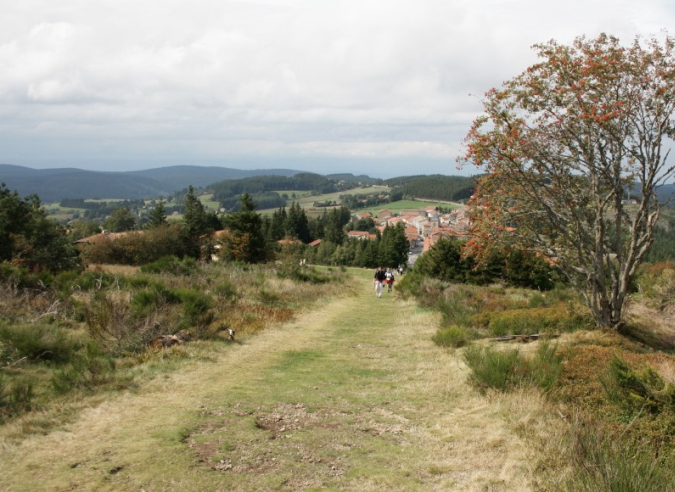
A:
{"points": [[563, 145]]}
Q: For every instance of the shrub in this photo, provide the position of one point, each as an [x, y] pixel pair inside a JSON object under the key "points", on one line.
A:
{"points": [[505, 369], [197, 309], [226, 289], [452, 336], [609, 464], [535, 320], [545, 366], [40, 342], [16, 398], [171, 264], [637, 391], [89, 369], [656, 283]]}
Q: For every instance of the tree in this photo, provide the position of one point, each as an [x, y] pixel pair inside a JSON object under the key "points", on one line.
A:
{"points": [[157, 215], [393, 248], [245, 240], [120, 220], [296, 223], [194, 215], [194, 222], [562, 144], [28, 238]]}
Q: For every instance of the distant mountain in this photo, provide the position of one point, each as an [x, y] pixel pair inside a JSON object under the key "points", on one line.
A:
{"points": [[53, 185], [362, 178], [179, 177]]}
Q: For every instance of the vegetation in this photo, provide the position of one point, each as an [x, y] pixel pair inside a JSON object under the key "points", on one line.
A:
{"points": [[563, 144], [83, 333], [435, 187], [29, 238]]}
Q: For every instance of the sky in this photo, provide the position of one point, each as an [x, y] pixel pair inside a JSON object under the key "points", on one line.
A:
{"points": [[378, 87]]}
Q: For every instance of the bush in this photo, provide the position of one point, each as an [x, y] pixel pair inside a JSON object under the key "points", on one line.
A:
{"points": [[16, 398], [197, 309], [37, 343], [144, 301], [637, 391], [171, 264], [545, 366], [506, 369], [492, 368], [452, 336], [535, 320], [609, 464], [455, 310], [226, 289], [89, 369]]}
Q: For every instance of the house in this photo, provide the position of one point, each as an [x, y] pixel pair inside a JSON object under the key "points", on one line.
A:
{"points": [[437, 233], [363, 235]]}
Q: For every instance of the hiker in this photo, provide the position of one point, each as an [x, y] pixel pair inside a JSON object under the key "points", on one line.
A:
{"points": [[379, 279], [389, 279]]}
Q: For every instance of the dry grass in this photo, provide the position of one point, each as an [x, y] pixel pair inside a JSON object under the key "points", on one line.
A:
{"points": [[353, 396], [114, 269]]}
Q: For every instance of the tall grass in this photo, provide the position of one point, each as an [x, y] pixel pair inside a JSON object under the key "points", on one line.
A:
{"points": [[505, 369], [87, 332], [37, 342], [607, 463]]}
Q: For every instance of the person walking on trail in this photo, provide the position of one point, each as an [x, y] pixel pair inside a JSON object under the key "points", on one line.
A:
{"points": [[389, 279], [379, 280]]}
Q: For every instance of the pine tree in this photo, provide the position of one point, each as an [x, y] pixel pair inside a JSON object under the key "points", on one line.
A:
{"points": [[245, 241], [157, 215]]}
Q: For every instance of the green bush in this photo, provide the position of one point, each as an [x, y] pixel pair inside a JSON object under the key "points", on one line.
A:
{"points": [[197, 309], [545, 366], [40, 342], [452, 336], [490, 368], [454, 309], [93, 367], [535, 320], [155, 295], [609, 464], [226, 289], [506, 369], [637, 391], [16, 398], [171, 264]]}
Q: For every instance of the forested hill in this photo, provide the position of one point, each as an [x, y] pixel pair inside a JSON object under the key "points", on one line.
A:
{"points": [[53, 185], [178, 177], [435, 186], [263, 184]]}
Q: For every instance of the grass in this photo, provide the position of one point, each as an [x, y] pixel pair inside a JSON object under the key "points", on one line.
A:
{"points": [[209, 203], [338, 399], [306, 201], [398, 207]]}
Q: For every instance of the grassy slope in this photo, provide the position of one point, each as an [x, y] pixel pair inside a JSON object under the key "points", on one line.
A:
{"points": [[353, 396]]}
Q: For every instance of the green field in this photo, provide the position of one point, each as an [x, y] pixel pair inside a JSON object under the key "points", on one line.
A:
{"points": [[398, 207], [208, 202], [307, 201]]}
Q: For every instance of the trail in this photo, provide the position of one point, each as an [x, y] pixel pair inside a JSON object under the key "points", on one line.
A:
{"points": [[350, 396]]}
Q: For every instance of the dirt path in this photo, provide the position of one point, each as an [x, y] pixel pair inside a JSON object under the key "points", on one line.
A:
{"points": [[352, 396]]}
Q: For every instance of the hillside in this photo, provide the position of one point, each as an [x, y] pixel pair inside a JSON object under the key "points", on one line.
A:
{"points": [[178, 177], [53, 185], [434, 187]]}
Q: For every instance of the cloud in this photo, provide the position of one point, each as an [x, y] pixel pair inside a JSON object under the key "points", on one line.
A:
{"points": [[275, 78]]}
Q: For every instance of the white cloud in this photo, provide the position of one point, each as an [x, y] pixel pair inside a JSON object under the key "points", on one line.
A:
{"points": [[272, 78]]}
